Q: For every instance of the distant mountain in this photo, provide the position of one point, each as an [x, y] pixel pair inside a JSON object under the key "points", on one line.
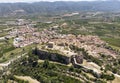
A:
{"points": [[57, 7]]}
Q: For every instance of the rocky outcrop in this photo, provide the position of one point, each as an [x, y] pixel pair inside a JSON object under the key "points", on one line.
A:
{"points": [[53, 56]]}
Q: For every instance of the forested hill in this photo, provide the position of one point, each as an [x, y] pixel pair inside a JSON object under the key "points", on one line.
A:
{"points": [[56, 7]]}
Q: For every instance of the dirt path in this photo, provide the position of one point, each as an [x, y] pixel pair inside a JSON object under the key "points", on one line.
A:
{"points": [[27, 78], [116, 80]]}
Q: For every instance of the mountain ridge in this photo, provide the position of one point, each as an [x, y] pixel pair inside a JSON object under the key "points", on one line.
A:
{"points": [[58, 6]]}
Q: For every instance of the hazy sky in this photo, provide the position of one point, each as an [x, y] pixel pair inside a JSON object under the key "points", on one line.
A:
{"points": [[4, 1]]}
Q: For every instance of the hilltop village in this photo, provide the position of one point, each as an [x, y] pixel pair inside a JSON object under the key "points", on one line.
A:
{"points": [[26, 35], [61, 47], [58, 48]]}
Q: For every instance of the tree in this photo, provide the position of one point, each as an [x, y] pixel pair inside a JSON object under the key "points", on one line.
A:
{"points": [[32, 57], [108, 77], [114, 70], [35, 51], [46, 64], [71, 69]]}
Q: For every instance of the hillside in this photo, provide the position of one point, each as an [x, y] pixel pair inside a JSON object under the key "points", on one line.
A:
{"points": [[57, 7]]}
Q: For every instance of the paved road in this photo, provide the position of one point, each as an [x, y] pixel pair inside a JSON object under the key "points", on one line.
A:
{"points": [[2, 38]]}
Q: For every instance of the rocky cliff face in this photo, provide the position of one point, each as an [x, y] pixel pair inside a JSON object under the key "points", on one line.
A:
{"points": [[53, 56]]}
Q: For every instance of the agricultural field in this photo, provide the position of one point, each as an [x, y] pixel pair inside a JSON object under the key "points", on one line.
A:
{"points": [[107, 31]]}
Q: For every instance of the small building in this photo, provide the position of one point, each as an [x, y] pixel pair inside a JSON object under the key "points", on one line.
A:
{"points": [[50, 45], [79, 59]]}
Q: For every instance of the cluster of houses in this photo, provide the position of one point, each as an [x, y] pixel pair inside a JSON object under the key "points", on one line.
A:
{"points": [[55, 46], [92, 44], [26, 35]]}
